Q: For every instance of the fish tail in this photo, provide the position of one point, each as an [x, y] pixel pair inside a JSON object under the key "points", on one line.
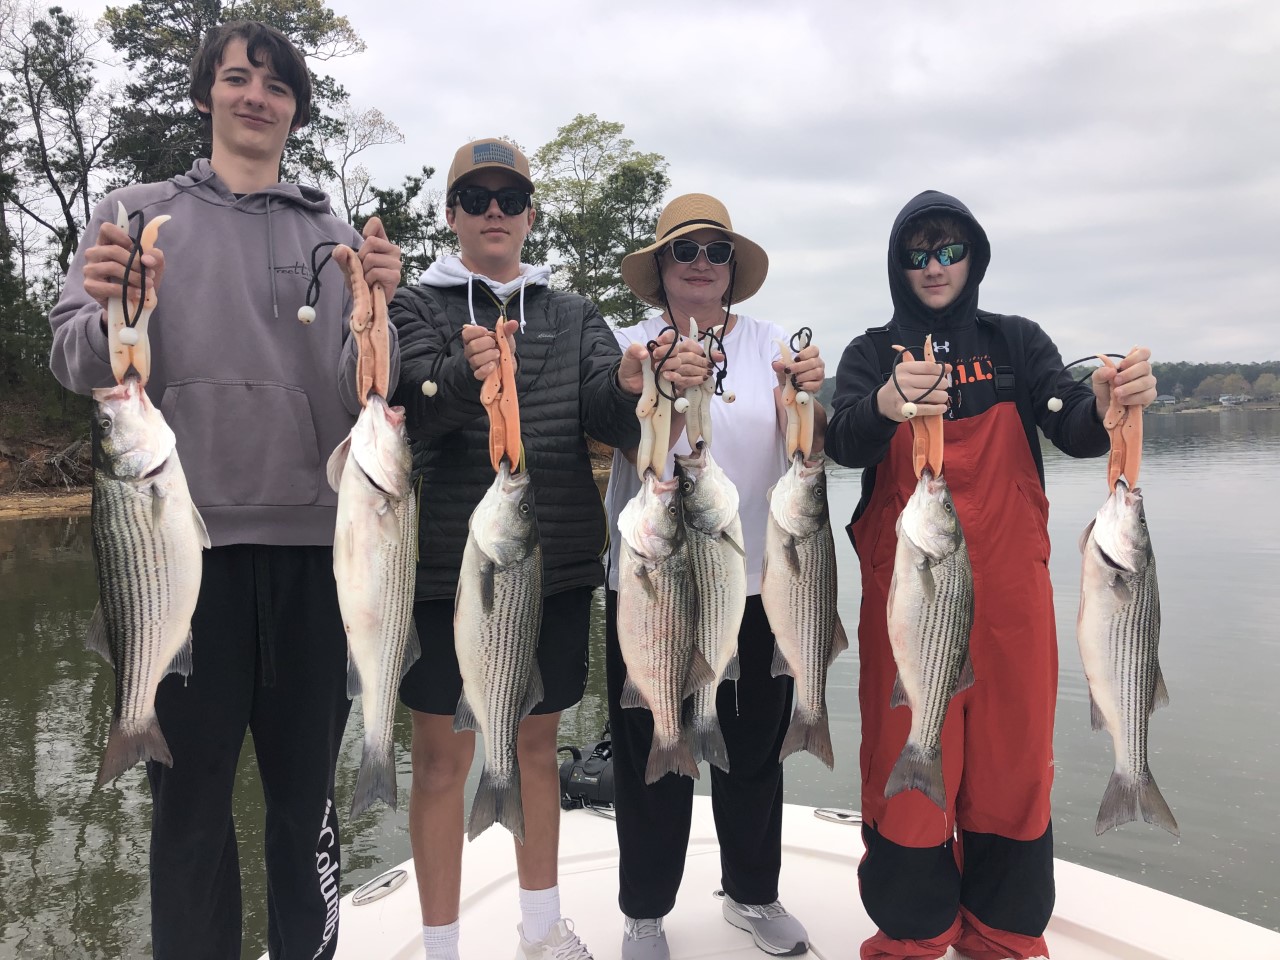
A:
{"points": [[127, 747], [1154, 808], [708, 742], [918, 768], [497, 803], [675, 758], [376, 779], [811, 733], [1126, 798]]}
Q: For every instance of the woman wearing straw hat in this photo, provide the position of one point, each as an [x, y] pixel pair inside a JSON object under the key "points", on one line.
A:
{"points": [[698, 268]]}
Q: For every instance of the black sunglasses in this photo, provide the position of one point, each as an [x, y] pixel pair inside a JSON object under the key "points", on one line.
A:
{"points": [[475, 200], [945, 255], [718, 252]]}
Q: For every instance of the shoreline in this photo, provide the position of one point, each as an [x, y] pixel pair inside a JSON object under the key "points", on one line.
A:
{"points": [[46, 504]]}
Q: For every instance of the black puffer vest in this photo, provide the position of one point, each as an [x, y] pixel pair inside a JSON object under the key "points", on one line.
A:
{"points": [[566, 377]]}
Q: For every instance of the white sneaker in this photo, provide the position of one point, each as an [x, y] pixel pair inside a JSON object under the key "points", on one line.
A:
{"points": [[560, 944]]}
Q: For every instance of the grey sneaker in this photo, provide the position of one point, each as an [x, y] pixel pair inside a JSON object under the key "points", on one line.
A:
{"points": [[644, 940], [774, 930]]}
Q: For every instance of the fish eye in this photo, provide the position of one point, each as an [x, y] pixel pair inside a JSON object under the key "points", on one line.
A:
{"points": [[524, 508], [686, 485], [946, 505], [105, 423]]}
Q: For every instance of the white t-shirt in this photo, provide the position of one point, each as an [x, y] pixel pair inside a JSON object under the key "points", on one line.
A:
{"points": [[745, 440]]}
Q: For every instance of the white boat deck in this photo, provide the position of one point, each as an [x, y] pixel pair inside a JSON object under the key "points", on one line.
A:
{"points": [[1098, 917]]}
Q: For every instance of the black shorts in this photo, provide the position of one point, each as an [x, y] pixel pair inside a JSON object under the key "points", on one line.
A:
{"points": [[434, 683]]}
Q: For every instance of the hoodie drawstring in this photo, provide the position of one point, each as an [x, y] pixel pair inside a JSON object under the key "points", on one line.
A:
{"points": [[271, 263]]}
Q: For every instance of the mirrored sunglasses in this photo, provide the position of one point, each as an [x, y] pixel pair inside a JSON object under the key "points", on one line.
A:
{"points": [[945, 255], [475, 200], [717, 252]]}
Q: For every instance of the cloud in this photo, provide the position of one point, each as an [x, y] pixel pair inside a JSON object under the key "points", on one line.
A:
{"points": [[1123, 155]]}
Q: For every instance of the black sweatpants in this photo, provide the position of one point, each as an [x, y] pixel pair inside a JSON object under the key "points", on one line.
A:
{"points": [[268, 654], [653, 819]]}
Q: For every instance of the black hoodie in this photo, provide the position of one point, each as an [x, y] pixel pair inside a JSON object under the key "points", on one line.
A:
{"points": [[969, 339]]}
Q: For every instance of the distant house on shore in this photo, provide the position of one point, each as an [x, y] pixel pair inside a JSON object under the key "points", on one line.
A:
{"points": [[1166, 398], [1231, 400]]}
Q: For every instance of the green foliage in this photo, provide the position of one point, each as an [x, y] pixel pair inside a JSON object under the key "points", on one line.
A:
{"points": [[598, 200], [414, 222]]}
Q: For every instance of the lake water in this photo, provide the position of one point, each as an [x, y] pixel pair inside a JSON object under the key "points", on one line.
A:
{"points": [[73, 857]]}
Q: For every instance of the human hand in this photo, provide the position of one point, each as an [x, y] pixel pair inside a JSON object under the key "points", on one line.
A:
{"points": [[480, 347], [1130, 381], [806, 367], [380, 258], [684, 365], [917, 378], [105, 261]]}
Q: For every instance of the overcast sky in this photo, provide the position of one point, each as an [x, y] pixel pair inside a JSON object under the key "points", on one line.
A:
{"points": [[1122, 155]]}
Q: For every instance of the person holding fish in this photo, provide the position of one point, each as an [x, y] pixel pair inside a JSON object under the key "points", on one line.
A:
{"points": [[256, 400], [481, 329], [698, 268], [956, 819]]}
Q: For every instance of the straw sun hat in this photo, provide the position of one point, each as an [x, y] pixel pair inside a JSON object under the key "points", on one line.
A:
{"points": [[685, 214]]}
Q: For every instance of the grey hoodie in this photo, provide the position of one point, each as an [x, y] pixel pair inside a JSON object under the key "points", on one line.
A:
{"points": [[257, 399]]}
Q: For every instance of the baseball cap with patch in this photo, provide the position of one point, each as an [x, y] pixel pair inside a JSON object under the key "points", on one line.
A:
{"points": [[488, 154]]}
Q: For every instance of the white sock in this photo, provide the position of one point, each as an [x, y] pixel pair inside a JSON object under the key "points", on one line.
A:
{"points": [[441, 943], [539, 912]]}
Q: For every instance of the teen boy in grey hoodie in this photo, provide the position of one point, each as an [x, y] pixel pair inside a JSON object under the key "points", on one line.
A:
{"points": [[257, 401]]}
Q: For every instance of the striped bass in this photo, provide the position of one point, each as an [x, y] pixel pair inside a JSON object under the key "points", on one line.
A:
{"points": [[375, 552], [930, 614], [709, 501], [798, 590], [147, 538], [657, 613], [497, 617], [1118, 630]]}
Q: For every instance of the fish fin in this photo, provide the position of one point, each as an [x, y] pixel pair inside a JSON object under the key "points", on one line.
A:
{"points": [[1096, 720], [1160, 694], [1126, 798], [337, 463], [631, 696], [927, 584], [918, 768], [487, 587], [708, 742], [700, 673], [535, 693], [202, 532], [899, 695], [496, 803], [737, 547], [96, 637], [732, 669], [412, 649], [377, 777], [158, 500], [181, 662], [966, 679], [839, 641], [353, 679], [642, 574], [780, 666], [464, 717], [388, 522], [1123, 595], [1084, 535], [792, 553], [1153, 806], [812, 734], [124, 749], [677, 759]]}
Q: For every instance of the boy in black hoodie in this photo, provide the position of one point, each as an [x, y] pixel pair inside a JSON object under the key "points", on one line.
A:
{"points": [[980, 877]]}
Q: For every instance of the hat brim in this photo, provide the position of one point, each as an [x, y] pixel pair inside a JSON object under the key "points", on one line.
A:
{"points": [[640, 269]]}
